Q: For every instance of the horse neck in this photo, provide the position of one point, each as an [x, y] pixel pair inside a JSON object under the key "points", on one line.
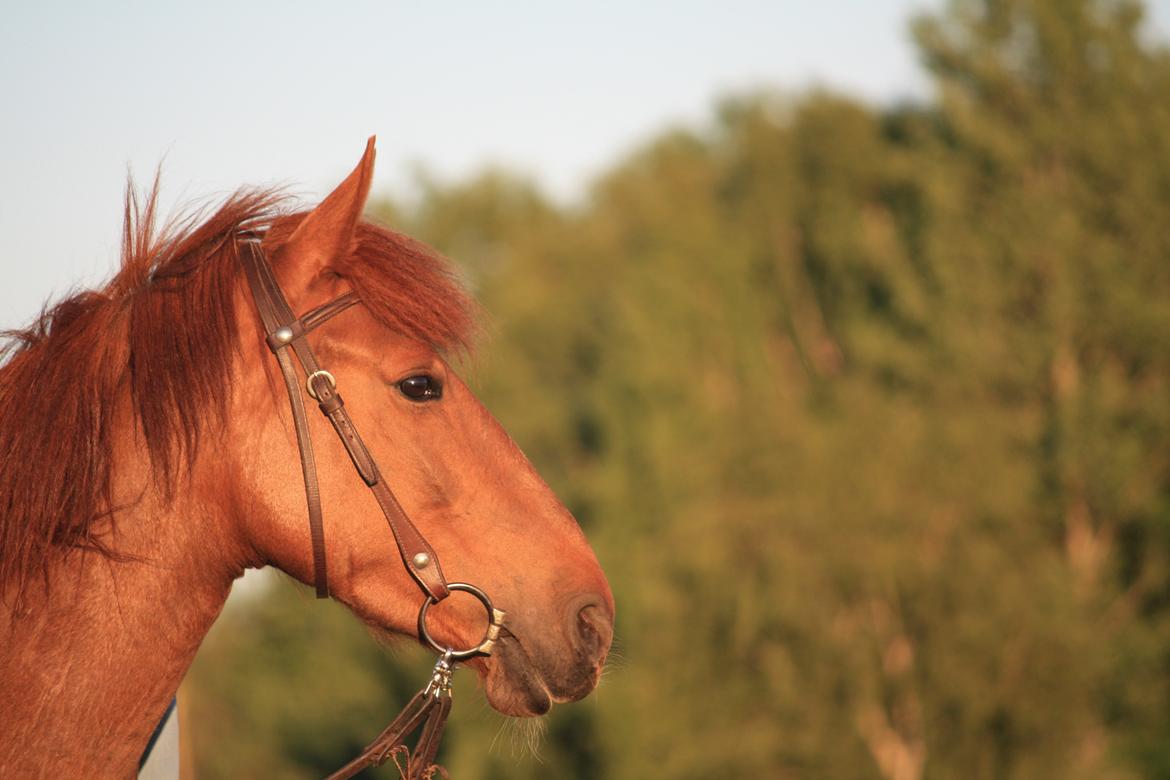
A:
{"points": [[88, 668]]}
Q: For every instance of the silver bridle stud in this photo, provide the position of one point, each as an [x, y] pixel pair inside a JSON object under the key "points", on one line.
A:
{"points": [[283, 335], [421, 560]]}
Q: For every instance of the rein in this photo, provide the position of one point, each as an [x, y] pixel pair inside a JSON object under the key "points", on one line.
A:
{"points": [[285, 335]]}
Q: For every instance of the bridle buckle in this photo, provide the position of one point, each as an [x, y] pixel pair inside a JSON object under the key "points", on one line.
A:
{"points": [[319, 373]]}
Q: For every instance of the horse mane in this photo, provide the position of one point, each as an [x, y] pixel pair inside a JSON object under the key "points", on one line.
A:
{"points": [[160, 336]]}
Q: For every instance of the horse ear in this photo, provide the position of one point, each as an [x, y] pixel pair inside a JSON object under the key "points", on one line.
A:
{"points": [[327, 233]]}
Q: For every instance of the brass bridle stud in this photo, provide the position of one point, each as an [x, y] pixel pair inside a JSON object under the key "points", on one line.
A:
{"points": [[283, 335], [421, 560]]}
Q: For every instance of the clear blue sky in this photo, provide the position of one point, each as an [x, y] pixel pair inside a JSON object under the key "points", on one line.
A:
{"points": [[231, 93]]}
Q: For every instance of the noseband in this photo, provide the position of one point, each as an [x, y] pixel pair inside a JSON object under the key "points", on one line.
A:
{"points": [[285, 334]]}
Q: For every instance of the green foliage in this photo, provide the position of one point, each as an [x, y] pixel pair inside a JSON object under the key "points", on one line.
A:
{"points": [[866, 413]]}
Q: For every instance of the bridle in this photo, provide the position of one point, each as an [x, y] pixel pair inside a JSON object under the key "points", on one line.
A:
{"points": [[285, 334]]}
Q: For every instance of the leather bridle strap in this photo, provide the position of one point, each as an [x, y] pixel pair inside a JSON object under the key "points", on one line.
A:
{"points": [[285, 335]]}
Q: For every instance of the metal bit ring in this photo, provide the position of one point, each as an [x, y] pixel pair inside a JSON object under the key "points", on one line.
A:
{"points": [[495, 621]]}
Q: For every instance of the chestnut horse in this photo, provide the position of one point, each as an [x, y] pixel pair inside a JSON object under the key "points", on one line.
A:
{"points": [[149, 458]]}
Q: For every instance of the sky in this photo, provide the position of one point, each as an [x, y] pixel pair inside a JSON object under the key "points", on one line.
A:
{"points": [[223, 94]]}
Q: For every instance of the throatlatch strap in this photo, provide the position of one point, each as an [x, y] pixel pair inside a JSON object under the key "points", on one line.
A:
{"points": [[283, 330], [273, 315]]}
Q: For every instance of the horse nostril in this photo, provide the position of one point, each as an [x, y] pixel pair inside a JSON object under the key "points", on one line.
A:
{"points": [[592, 631]]}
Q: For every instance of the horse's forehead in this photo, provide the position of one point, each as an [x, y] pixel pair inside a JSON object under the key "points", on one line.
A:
{"points": [[359, 338]]}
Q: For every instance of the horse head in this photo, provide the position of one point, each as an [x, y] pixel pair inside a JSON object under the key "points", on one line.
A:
{"points": [[461, 480]]}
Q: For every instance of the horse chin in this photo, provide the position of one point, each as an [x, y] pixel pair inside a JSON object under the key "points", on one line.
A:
{"points": [[512, 683]]}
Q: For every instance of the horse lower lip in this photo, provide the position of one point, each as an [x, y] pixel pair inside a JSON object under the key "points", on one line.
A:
{"points": [[522, 678]]}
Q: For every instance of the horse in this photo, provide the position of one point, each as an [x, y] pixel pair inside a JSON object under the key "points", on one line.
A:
{"points": [[149, 460]]}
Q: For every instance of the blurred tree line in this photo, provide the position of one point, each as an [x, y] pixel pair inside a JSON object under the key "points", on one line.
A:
{"points": [[866, 412]]}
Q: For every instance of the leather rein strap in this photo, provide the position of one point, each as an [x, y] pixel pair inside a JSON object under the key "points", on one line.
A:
{"points": [[285, 335]]}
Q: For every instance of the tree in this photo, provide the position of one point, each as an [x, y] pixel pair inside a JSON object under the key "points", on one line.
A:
{"points": [[866, 413]]}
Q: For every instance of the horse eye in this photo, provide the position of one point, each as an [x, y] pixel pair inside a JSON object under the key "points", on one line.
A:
{"points": [[420, 388]]}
